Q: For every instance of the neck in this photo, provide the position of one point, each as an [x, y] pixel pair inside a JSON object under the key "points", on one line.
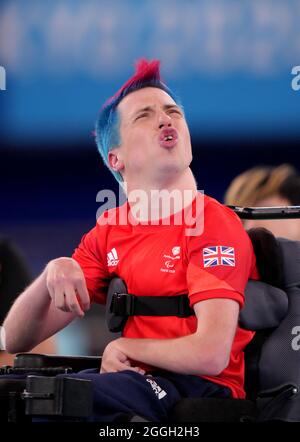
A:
{"points": [[160, 200]]}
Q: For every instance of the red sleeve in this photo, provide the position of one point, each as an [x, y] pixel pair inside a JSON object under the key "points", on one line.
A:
{"points": [[221, 260], [88, 255]]}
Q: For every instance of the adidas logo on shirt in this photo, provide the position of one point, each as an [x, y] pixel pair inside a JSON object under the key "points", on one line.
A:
{"points": [[112, 258]]}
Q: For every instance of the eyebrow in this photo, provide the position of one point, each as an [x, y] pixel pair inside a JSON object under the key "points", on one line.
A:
{"points": [[171, 106], [150, 108], [144, 109]]}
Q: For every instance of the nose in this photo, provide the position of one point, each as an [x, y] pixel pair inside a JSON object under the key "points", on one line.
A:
{"points": [[164, 120]]}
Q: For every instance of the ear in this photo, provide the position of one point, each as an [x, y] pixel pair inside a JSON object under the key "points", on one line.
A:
{"points": [[115, 160]]}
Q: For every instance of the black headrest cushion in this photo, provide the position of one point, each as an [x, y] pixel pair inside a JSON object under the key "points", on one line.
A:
{"points": [[291, 262], [269, 258], [265, 306]]}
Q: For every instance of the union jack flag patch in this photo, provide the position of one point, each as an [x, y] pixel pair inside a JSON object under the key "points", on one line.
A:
{"points": [[218, 256]]}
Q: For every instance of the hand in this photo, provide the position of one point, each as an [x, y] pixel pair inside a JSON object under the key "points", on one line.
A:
{"points": [[66, 285], [114, 360]]}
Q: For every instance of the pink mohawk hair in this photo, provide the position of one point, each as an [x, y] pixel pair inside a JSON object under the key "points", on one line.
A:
{"points": [[144, 70]]}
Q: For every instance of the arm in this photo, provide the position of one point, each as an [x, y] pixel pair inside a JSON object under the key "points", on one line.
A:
{"points": [[205, 352], [50, 303]]}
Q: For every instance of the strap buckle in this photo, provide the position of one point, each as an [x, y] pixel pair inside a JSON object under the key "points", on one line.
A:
{"points": [[122, 304]]}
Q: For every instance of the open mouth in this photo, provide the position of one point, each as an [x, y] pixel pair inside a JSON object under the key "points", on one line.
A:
{"points": [[168, 138]]}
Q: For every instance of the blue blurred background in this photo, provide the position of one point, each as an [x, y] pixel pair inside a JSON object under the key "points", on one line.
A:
{"points": [[229, 61]]}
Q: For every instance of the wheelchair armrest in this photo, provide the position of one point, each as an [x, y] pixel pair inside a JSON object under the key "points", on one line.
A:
{"points": [[38, 361]]}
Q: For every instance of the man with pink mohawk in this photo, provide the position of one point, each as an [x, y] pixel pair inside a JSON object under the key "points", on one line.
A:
{"points": [[181, 337]]}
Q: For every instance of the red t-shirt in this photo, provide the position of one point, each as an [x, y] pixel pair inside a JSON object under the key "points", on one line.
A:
{"points": [[216, 261]]}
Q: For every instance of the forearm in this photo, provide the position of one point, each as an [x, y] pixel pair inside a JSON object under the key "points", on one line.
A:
{"points": [[25, 322], [54, 299], [186, 354]]}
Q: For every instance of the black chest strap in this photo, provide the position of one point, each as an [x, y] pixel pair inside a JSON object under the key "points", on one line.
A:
{"points": [[125, 304], [120, 305]]}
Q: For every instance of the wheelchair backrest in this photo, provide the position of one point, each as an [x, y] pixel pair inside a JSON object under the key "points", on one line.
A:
{"points": [[274, 355]]}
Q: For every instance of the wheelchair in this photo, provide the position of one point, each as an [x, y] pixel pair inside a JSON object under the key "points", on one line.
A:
{"points": [[272, 359]]}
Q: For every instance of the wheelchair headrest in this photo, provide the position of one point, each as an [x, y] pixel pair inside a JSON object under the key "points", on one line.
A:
{"points": [[265, 306], [290, 251], [266, 303], [278, 263], [269, 258]]}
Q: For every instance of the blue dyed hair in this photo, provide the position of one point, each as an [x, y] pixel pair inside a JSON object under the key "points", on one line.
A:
{"points": [[108, 122]]}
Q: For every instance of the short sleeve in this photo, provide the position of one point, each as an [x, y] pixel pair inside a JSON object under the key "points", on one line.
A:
{"points": [[88, 256], [221, 259]]}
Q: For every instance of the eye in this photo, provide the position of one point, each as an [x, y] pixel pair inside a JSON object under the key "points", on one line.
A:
{"points": [[175, 111], [144, 114]]}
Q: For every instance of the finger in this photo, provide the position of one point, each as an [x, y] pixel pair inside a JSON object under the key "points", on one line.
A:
{"points": [[72, 301], [83, 294], [51, 291], [123, 367], [59, 298], [120, 367]]}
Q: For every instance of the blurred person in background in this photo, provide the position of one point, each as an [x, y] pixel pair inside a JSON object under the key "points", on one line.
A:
{"points": [[14, 278], [266, 186]]}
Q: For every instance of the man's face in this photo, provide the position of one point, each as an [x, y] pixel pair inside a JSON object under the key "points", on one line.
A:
{"points": [[155, 139]]}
